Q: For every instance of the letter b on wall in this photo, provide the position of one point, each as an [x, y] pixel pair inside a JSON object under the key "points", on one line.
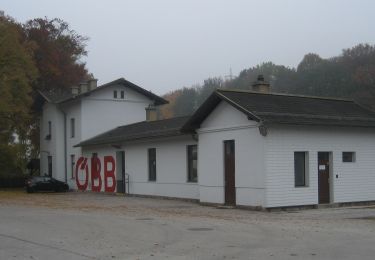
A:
{"points": [[95, 174], [109, 174]]}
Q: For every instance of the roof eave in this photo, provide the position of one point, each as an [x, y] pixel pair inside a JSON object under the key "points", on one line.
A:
{"points": [[44, 96], [110, 142], [121, 81]]}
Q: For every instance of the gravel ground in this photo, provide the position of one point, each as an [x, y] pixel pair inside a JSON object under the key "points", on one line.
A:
{"points": [[79, 225]]}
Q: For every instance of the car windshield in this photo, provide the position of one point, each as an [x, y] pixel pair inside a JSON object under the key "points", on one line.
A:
{"points": [[37, 179]]}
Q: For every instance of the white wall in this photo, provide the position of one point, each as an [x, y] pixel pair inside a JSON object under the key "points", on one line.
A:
{"points": [[55, 146], [227, 123], [171, 167], [101, 112], [93, 114], [72, 110], [355, 182]]}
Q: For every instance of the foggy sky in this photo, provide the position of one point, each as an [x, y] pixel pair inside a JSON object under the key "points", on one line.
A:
{"points": [[163, 45]]}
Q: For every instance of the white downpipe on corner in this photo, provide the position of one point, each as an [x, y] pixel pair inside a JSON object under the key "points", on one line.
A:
{"points": [[65, 149]]}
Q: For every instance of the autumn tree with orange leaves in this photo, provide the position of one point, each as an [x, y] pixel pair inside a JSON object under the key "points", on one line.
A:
{"points": [[41, 54]]}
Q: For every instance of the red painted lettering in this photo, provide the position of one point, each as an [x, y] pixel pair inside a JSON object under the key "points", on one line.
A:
{"points": [[109, 173], [81, 165], [95, 174]]}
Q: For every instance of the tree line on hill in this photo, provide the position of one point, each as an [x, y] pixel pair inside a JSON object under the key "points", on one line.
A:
{"points": [[349, 75]]}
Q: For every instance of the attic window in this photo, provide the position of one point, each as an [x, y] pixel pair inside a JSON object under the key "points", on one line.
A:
{"points": [[115, 94]]}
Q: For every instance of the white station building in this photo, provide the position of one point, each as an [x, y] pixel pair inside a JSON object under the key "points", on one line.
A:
{"points": [[247, 148]]}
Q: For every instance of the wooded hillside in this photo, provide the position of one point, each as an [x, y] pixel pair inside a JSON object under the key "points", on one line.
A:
{"points": [[351, 74]]}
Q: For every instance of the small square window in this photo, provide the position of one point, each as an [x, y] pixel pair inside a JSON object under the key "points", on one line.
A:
{"points": [[122, 94], [115, 94], [348, 156]]}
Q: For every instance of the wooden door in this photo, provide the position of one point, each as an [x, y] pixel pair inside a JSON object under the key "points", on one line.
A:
{"points": [[229, 172], [323, 177]]}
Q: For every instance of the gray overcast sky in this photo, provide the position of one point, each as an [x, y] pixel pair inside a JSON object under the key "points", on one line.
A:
{"points": [[166, 44]]}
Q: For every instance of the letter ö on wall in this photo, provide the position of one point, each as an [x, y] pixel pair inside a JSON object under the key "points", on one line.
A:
{"points": [[83, 174], [82, 166]]}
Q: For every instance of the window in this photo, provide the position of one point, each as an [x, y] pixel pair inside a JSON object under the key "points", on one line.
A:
{"points": [[49, 134], [49, 165], [115, 94], [72, 164], [49, 128], [300, 169], [348, 156], [152, 164], [72, 127], [122, 94], [192, 161]]}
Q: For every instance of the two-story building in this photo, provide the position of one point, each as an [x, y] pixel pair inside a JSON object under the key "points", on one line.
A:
{"points": [[70, 116]]}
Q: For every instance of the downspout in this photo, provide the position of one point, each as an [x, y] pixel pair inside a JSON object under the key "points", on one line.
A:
{"points": [[65, 149]]}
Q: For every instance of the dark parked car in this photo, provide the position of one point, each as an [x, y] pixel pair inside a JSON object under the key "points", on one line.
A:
{"points": [[45, 183]]}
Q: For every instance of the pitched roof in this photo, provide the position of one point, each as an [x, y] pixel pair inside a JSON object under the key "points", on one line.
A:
{"points": [[287, 109], [65, 95], [138, 131]]}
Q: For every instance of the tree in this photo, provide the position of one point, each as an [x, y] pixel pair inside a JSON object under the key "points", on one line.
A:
{"points": [[167, 111], [17, 72], [209, 86], [310, 62], [57, 53], [186, 102], [41, 54]]}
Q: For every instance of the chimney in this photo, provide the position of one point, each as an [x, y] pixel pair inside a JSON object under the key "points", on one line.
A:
{"points": [[92, 83], [261, 85], [75, 90], [151, 113], [83, 87]]}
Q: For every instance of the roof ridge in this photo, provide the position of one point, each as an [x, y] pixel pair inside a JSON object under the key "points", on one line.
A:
{"points": [[286, 95]]}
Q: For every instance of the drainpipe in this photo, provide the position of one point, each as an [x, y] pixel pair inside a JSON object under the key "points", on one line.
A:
{"points": [[65, 149]]}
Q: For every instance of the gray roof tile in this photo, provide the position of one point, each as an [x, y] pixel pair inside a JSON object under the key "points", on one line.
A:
{"points": [[138, 131]]}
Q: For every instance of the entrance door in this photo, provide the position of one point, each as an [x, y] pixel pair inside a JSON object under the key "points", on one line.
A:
{"points": [[229, 172], [323, 177], [120, 171]]}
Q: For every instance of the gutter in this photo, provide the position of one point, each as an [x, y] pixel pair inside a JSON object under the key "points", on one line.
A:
{"points": [[65, 149], [134, 139]]}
